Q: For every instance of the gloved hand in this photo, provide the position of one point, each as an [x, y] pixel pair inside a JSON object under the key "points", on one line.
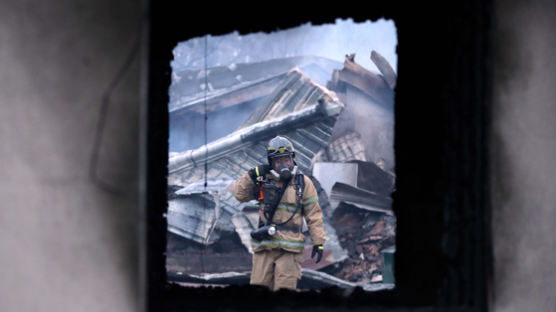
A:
{"points": [[258, 171], [317, 249]]}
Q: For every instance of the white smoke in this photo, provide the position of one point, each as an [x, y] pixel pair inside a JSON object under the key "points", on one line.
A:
{"points": [[332, 41]]}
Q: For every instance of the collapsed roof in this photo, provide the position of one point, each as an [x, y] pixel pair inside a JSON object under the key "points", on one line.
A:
{"points": [[306, 114], [237, 83], [201, 204], [308, 121]]}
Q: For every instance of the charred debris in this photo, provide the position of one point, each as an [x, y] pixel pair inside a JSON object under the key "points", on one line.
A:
{"points": [[341, 126]]}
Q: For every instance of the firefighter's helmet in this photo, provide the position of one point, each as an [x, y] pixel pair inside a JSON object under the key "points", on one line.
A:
{"points": [[279, 146]]}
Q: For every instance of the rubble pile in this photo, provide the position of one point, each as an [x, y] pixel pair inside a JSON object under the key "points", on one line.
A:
{"points": [[184, 255], [208, 229], [363, 235]]}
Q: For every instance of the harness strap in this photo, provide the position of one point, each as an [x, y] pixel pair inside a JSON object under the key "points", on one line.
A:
{"points": [[299, 188], [275, 204]]}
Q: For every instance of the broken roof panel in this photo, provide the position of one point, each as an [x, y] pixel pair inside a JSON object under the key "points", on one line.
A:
{"points": [[308, 126], [283, 101], [221, 200], [373, 178], [192, 217], [244, 223], [362, 174], [198, 187], [369, 104], [364, 199], [331, 172], [356, 75], [238, 83]]}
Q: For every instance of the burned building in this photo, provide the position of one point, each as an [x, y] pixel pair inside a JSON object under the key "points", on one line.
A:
{"points": [[278, 98]]}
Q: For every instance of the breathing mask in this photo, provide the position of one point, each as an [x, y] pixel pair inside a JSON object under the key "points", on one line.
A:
{"points": [[283, 165]]}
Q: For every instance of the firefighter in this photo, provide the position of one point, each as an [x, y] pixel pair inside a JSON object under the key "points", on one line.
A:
{"points": [[285, 196]]}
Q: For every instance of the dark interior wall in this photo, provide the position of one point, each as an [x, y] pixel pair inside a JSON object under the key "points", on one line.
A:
{"points": [[523, 154], [69, 246]]}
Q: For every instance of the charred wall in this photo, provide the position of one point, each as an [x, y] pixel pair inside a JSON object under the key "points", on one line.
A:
{"points": [[57, 223], [441, 115]]}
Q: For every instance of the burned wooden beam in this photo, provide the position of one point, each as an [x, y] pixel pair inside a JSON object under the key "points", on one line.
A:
{"points": [[357, 76]]}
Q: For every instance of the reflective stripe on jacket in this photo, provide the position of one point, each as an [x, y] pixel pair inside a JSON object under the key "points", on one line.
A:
{"points": [[287, 240]]}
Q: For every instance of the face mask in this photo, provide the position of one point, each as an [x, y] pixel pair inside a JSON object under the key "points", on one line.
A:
{"points": [[285, 171], [285, 174]]}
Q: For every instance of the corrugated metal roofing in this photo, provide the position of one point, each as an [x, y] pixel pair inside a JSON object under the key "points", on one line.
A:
{"points": [[311, 115], [308, 126], [192, 217], [236, 83]]}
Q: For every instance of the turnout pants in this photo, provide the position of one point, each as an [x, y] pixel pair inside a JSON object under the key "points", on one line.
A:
{"points": [[276, 269]]}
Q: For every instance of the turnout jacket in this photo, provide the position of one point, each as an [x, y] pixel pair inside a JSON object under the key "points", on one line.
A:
{"points": [[293, 241]]}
